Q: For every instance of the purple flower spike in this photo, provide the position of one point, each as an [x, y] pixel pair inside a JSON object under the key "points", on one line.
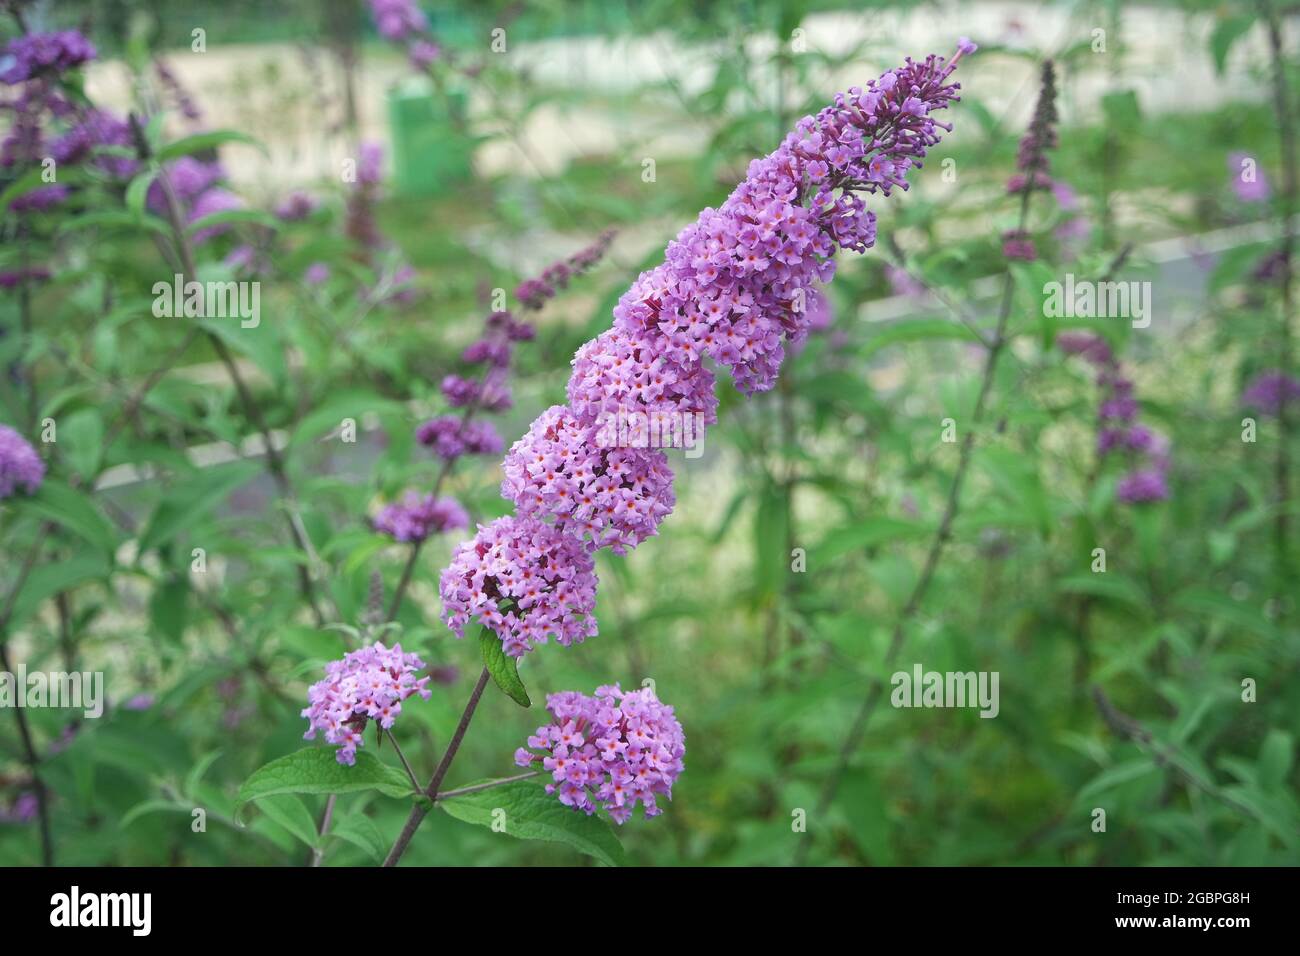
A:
{"points": [[733, 283]]}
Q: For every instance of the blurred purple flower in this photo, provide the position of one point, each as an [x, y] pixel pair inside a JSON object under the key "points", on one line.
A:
{"points": [[20, 466], [24, 809], [423, 53], [210, 203], [40, 198], [1270, 391], [12, 278], [416, 517], [398, 19], [98, 129], [1248, 180], [41, 53], [1018, 246], [1144, 485], [298, 205]]}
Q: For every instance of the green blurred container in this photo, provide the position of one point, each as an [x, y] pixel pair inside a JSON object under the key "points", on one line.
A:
{"points": [[431, 156]]}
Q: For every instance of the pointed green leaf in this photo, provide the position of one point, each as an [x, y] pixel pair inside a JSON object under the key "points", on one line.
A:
{"points": [[315, 770], [504, 669], [529, 813]]}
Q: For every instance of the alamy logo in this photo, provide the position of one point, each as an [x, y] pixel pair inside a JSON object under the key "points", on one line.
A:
{"points": [[922, 688], [208, 300], [656, 429], [103, 909], [1085, 299], [55, 689]]}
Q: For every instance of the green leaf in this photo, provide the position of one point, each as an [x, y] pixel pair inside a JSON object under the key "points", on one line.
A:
{"points": [[138, 192], [169, 606], [503, 668], [1275, 757], [917, 330], [1016, 477], [152, 806], [198, 771], [1206, 602], [202, 142], [530, 814], [771, 559], [290, 812], [115, 219], [868, 533], [74, 511], [154, 130], [188, 503], [1226, 33], [315, 770], [312, 644], [1122, 110], [1109, 586], [361, 832], [1113, 777], [231, 217], [81, 439], [47, 580]]}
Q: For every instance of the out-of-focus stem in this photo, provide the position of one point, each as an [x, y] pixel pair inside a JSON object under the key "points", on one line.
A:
{"points": [[1290, 194], [275, 464], [24, 732]]}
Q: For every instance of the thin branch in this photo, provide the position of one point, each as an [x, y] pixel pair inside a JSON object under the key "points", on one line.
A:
{"points": [[275, 463], [11, 600], [406, 764], [317, 854], [421, 810], [138, 396], [1122, 725], [30, 754], [404, 582], [479, 787]]}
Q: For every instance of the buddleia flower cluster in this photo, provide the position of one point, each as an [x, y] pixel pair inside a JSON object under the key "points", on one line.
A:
{"points": [[367, 684], [525, 580], [613, 751]]}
